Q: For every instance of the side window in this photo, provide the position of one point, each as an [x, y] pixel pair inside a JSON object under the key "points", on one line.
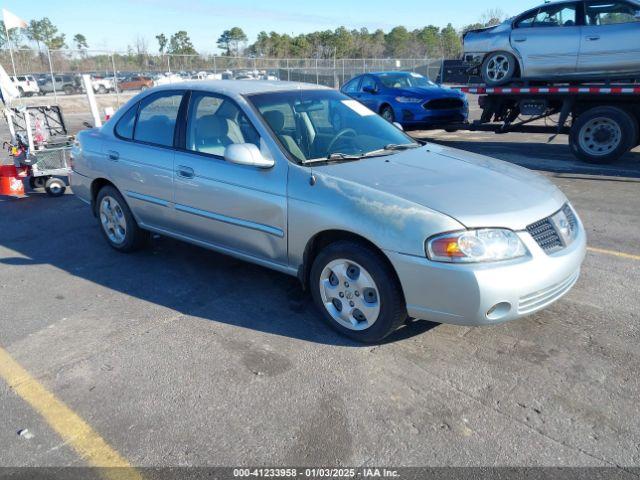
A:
{"points": [[352, 86], [157, 119], [562, 15], [611, 13], [368, 82], [216, 122], [526, 21], [124, 127]]}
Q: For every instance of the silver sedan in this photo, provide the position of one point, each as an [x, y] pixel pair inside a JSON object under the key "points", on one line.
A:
{"points": [[309, 182], [566, 40]]}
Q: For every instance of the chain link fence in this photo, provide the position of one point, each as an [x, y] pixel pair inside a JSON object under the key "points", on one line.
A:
{"points": [[329, 72]]}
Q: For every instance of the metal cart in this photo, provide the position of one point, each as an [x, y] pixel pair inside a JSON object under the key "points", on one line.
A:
{"points": [[47, 165]]}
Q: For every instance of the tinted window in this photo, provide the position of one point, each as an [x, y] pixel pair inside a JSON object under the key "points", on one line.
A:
{"points": [[124, 127], [22, 79], [368, 82], [610, 13], [561, 15], [352, 86], [404, 80], [216, 122], [157, 119]]}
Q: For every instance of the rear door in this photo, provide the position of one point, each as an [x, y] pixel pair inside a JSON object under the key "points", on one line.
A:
{"points": [[610, 38], [548, 39], [368, 92], [140, 158]]}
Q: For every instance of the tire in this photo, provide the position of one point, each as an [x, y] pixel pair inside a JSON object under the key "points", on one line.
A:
{"points": [[602, 135], [451, 130], [21, 91], [102, 89], [133, 237], [55, 187], [37, 182], [498, 68], [387, 113], [373, 278], [68, 90]]}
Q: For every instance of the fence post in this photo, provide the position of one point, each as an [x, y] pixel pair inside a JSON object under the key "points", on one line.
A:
{"points": [[116, 87], [317, 73], [343, 74], [169, 63], [288, 72], [215, 69], [53, 80]]}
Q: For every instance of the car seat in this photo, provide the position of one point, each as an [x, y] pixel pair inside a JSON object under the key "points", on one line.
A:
{"points": [[214, 133], [275, 119]]}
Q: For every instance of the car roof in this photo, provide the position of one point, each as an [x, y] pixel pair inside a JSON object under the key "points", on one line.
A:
{"points": [[241, 87]]}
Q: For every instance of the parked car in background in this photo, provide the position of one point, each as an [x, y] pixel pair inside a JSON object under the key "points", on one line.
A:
{"points": [[566, 40], [102, 84], [135, 83], [305, 180], [409, 99], [27, 85], [68, 84]]}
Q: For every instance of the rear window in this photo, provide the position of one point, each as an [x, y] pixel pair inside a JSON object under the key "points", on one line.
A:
{"points": [[124, 127]]}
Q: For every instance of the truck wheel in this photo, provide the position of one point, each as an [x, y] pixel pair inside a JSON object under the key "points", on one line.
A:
{"points": [[357, 292], [68, 90], [498, 68], [117, 224], [55, 187], [102, 89], [603, 135]]}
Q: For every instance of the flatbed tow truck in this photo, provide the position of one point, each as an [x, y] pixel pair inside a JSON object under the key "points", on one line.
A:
{"points": [[601, 119]]}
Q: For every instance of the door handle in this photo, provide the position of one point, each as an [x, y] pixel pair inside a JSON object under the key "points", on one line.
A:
{"points": [[520, 39], [185, 172], [593, 38], [113, 155]]}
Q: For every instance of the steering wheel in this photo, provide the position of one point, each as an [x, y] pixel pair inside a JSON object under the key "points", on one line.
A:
{"points": [[339, 135]]}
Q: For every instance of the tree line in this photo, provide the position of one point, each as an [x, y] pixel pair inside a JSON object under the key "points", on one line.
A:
{"points": [[399, 42]]}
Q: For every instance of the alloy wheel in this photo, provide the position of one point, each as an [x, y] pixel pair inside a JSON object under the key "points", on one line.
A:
{"points": [[113, 220]]}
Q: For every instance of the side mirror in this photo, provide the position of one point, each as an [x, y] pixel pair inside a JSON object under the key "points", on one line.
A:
{"points": [[247, 154], [398, 126], [368, 89]]}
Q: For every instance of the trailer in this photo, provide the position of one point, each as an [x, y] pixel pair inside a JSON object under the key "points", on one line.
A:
{"points": [[602, 120]]}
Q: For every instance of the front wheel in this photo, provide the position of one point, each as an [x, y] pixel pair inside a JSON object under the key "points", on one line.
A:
{"points": [[117, 224], [37, 182], [498, 68], [357, 291], [387, 113], [603, 135]]}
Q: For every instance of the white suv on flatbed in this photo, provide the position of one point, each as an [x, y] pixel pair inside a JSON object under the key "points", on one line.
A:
{"points": [[26, 85]]}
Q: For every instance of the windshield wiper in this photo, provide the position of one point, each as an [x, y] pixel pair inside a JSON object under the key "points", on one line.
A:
{"points": [[334, 157], [405, 146]]}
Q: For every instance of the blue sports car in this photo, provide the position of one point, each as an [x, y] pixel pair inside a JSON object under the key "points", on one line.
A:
{"points": [[409, 99]]}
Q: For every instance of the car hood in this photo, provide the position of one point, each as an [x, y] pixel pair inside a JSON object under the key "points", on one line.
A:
{"points": [[475, 190], [429, 92]]}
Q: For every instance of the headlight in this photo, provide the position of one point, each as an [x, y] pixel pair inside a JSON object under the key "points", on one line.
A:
{"points": [[409, 100], [566, 224], [485, 245]]}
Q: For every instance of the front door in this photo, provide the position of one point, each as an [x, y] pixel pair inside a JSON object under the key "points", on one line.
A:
{"points": [[610, 38], [232, 207], [548, 40]]}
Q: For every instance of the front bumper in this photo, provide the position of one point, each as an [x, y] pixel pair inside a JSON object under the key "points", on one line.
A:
{"points": [[416, 116], [465, 294]]}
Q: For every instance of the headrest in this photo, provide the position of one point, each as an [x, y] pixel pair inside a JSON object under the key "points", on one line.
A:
{"points": [[212, 126], [275, 119]]}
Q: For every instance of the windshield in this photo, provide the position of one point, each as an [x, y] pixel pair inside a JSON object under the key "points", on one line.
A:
{"points": [[315, 124], [404, 80]]}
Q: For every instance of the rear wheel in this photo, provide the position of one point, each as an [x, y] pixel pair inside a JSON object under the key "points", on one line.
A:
{"points": [[102, 89], [603, 135], [357, 292], [499, 68], [55, 187], [387, 113], [37, 182], [117, 224], [68, 90]]}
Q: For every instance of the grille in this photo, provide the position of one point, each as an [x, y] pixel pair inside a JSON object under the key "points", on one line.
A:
{"points": [[443, 104], [545, 235]]}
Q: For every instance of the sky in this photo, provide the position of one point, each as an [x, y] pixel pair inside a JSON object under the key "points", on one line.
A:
{"points": [[114, 24]]}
